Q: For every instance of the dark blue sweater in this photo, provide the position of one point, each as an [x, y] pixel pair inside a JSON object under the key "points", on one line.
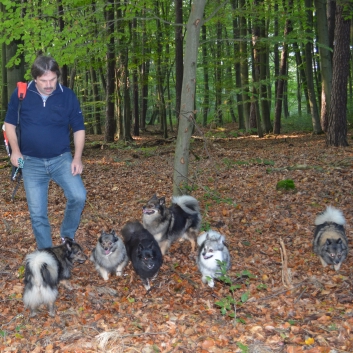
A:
{"points": [[45, 125]]}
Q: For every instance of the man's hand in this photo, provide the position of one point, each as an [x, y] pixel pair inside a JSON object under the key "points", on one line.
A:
{"points": [[76, 166]]}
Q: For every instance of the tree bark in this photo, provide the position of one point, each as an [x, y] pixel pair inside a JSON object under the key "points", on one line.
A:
{"points": [[282, 75], [178, 54], [314, 111], [110, 74], [325, 60], [243, 49], [206, 94], [337, 126], [187, 107]]}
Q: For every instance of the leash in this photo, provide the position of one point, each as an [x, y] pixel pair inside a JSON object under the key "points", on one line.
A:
{"points": [[17, 176], [21, 163]]}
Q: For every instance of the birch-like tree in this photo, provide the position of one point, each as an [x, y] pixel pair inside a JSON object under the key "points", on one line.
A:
{"points": [[187, 104]]}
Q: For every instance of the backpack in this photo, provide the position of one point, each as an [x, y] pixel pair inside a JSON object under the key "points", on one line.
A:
{"points": [[16, 173]]}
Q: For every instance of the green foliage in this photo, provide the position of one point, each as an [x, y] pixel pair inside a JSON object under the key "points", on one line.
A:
{"points": [[286, 184], [228, 305], [244, 349], [147, 151], [21, 271], [215, 196]]}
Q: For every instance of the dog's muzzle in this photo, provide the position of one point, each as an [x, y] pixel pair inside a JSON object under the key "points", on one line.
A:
{"points": [[148, 211]]}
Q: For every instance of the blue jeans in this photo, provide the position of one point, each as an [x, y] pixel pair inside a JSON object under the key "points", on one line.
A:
{"points": [[37, 173]]}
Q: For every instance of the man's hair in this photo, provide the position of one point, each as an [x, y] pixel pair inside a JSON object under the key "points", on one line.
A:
{"points": [[44, 64]]}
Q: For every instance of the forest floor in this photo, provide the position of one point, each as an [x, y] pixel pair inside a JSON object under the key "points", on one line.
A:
{"points": [[280, 307]]}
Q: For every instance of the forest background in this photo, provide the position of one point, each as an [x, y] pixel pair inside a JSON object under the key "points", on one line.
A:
{"points": [[269, 78]]}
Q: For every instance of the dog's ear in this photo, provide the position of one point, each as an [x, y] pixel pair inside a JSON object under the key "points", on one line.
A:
{"points": [[139, 249], [68, 242], [154, 198], [150, 245], [162, 201], [115, 237]]}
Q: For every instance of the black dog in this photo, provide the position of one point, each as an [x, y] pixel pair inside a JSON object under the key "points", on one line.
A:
{"points": [[143, 251]]}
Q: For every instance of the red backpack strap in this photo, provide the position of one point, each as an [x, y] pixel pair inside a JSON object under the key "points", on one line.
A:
{"points": [[22, 89]]}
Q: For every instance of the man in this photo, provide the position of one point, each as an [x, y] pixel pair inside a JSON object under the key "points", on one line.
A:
{"points": [[47, 113]]}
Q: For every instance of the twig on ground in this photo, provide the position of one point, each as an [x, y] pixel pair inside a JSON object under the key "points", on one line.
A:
{"points": [[286, 275]]}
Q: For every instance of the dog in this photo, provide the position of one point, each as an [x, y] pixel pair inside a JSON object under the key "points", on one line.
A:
{"points": [[143, 251], [212, 249], [109, 255], [330, 241], [44, 269], [181, 220]]}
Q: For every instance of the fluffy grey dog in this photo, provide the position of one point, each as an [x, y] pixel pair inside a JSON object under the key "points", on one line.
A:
{"points": [[109, 255], [212, 249], [330, 242], [167, 224]]}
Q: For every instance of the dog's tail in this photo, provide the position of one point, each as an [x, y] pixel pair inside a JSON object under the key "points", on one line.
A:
{"points": [[130, 228], [41, 280], [332, 215], [188, 203], [42, 267]]}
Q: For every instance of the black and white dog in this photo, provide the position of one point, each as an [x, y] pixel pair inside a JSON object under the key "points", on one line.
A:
{"points": [[44, 270], [167, 224]]}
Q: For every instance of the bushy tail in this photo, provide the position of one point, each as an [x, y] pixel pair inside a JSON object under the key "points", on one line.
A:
{"points": [[42, 267], [130, 228], [188, 203], [331, 214], [41, 279]]}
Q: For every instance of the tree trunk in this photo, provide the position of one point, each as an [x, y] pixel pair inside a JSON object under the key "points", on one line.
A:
{"points": [[237, 68], [97, 118], [337, 126], [264, 99], [64, 69], [256, 69], [243, 49], [309, 71], [187, 107], [135, 83], [282, 74], [218, 75], [325, 59], [206, 94], [144, 71], [302, 77], [178, 54], [110, 74], [159, 74]]}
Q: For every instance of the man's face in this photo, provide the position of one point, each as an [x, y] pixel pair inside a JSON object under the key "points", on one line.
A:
{"points": [[46, 84]]}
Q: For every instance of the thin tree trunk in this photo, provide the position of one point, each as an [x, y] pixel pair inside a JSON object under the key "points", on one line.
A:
{"points": [[159, 74], [110, 74], [64, 68], [206, 94], [282, 74], [135, 83], [243, 50], [97, 118], [309, 71], [218, 75], [237, 67]]}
